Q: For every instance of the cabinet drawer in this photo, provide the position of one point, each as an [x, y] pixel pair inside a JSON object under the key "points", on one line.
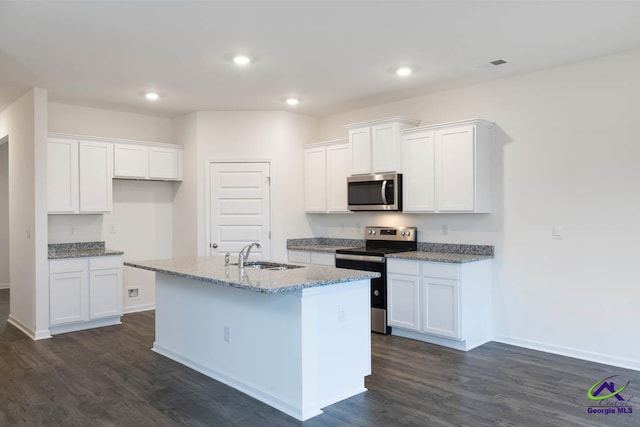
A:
{"points": [[323, 258], [403, 267], [70, 265], [105, 262], [441, 270]]}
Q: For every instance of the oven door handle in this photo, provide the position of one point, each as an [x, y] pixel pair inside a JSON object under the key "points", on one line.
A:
{"points": [[368, 258], [383, 192]]}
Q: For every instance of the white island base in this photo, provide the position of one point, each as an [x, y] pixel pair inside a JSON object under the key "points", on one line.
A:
{"points": [[297, 351]]}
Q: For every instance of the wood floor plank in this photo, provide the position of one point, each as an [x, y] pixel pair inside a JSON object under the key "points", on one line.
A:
{"points": [[110, 377]]}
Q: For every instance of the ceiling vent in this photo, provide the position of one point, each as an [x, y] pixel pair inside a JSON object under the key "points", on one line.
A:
{"points": [[498, 62]]}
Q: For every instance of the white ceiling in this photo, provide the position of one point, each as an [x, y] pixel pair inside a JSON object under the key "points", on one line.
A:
{"points": [[334, 55]]}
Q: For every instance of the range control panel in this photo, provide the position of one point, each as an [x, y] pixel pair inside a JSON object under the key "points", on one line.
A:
{"points": [[407, 234]]}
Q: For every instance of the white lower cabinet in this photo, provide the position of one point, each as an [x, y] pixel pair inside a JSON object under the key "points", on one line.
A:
{"points": [[84, 293], [312, 257], [403, 301], [441, 303]]}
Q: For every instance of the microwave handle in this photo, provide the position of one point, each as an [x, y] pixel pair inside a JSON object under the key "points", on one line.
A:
{"points": [[383, 192]]}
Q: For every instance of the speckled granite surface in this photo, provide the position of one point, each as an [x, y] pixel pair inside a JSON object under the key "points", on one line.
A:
{"points": [[79, 250], [212, 270], [439, 257], [456, 248], [322, 244]]}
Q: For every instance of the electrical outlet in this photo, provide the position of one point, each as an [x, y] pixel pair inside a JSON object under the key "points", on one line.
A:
{"points": [[227, 334], [557, 231], [133, 292], [73, 231], [446, 229], [112, 229]]}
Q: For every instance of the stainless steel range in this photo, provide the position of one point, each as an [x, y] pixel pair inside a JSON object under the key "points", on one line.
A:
{"points": [[379, 241]]}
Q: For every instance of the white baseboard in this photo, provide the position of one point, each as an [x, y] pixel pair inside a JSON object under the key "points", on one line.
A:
{"points": [[571, 352], [140, 307], [5, 285], [34, 335]]}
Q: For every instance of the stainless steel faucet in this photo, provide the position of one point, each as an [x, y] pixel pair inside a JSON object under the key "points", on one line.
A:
{"points": [[243, 256]]}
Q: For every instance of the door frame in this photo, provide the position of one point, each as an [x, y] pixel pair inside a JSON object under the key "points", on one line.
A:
{"points": [[207, 197]]}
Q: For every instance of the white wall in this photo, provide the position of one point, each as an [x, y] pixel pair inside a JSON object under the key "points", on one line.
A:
{"points": [[568, 155], [142, 210], [4, 214], [186, 201], [25, 124], [247, 135]]}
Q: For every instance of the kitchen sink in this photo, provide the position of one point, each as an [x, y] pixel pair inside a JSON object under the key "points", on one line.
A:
{"points": [[274, 266]]}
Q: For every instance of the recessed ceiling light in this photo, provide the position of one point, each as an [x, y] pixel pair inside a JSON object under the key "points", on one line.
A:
{"points": [[403, 71], [241, 59], [152, 96], [292, 101]]}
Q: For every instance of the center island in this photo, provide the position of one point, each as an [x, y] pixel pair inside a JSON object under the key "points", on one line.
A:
{"points": [[296, 339]]}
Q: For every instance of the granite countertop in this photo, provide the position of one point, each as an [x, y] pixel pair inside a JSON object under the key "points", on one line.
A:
{"points": [[79, 250], [439, 257], [212, 269]]}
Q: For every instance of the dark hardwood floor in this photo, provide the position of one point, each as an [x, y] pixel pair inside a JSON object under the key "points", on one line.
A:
{"points": [[110, 377]]}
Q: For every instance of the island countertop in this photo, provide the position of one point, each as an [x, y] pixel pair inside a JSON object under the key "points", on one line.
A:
{"points": [[212, 269]]}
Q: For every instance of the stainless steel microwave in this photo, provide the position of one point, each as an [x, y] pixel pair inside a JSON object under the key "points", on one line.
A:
{"points": [[375, 192]]}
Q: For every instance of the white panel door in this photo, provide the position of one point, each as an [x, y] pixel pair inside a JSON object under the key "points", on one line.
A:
{"points": [[239, 208], [315, 179], [418, 164], [96, 176], [455, 169], [403, 301], [440, 307], [62, 175], [360, 140], [105, 293], [338, 169]]}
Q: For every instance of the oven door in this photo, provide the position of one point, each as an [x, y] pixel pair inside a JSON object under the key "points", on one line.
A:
{"points": [[375, 192], [378, 287]]}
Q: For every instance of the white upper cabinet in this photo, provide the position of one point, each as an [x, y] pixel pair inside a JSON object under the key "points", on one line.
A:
{"points": [[447, 168], [79, 175], [315, 174], [131, 161], [375, 145], [338, 169], [96, 176], [139, 161], [327, 166], [62, 175], [419, 175]]}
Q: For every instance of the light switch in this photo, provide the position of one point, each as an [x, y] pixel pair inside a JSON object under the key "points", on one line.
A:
{"points": [[558, 232]]}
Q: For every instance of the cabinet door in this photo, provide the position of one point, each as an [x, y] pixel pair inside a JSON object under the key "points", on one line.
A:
{"points": [[360, 140], [418, 165], [386, 148], [105, 293], [455, 175], [96, 174], [338, 169], [403, 301], [68, 297], [131, 161], [163, 163], [440, 315], [315, 179], [62, 175]]}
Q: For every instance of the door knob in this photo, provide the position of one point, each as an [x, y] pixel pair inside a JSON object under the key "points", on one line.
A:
{"points": [[213, 245]]}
